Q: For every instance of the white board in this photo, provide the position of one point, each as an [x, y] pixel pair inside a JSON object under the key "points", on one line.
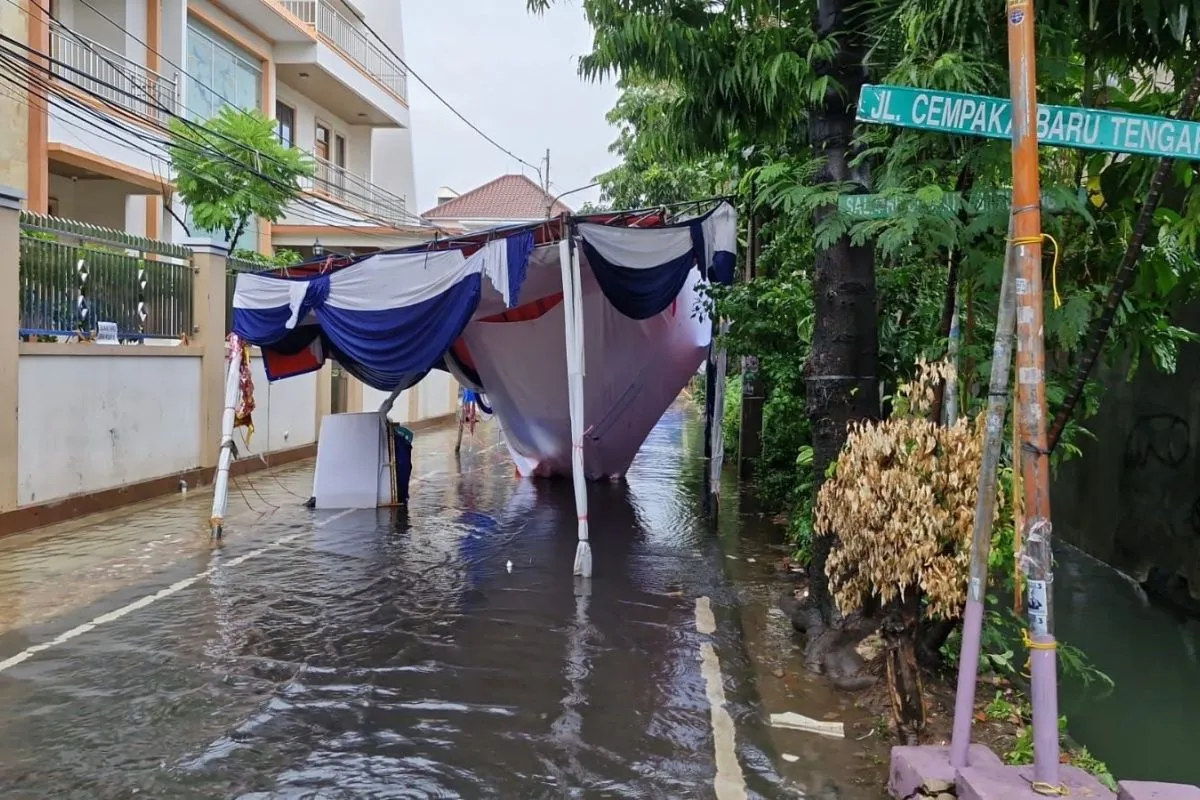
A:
{"points": [[352, 469]]}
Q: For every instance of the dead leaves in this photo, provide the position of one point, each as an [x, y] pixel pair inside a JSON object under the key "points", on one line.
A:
{"points": [[902, 503]]}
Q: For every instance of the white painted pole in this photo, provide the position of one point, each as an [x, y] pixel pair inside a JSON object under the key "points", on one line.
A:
{"points": [[233, 389], [573, 326]]}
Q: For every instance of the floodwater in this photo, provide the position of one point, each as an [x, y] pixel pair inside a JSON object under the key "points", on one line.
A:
{"points": [[1144, 728], [442, 651]]}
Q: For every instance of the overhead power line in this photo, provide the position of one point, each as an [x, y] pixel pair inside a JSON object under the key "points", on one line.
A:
{"points": [[151, 100], [447, 103], [23, 72]]}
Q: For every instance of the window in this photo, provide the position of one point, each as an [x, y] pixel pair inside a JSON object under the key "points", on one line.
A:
{"points": [[339, 150], [285, 124], [321, 144], [219, 73]]}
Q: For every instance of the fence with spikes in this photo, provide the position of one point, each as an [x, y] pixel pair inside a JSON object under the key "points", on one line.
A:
{"points": [[74, 276]]}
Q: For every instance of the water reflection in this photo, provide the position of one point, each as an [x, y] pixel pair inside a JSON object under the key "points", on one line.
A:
{"points": [[394, 654], [1144, 729]]}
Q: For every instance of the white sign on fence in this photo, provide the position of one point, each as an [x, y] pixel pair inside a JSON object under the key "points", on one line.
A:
{"points": [[106, 333]]}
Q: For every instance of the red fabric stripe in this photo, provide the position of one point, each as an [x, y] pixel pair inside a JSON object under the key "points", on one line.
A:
{"points": [[528, 311], [283, 366]]}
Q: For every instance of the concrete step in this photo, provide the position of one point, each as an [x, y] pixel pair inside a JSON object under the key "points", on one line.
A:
{"points": [[927, 769], [1016, 783], [1153, 790]]}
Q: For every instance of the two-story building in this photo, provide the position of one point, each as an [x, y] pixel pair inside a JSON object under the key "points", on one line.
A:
{"points": [[330, 72]]}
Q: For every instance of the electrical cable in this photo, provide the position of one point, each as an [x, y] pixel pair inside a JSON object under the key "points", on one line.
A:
{"points": [[443, 100], [94, 118], [211, 150]]}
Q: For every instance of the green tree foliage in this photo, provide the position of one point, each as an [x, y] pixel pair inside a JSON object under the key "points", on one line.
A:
{"points": [[762, 86], [649, 174], [233, 168]]}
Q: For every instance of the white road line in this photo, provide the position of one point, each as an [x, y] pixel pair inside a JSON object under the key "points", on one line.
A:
{"points": [[730, 783], [142, 602]]}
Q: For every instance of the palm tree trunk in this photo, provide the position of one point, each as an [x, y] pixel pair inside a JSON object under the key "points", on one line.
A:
{"points": [[841, 376]]}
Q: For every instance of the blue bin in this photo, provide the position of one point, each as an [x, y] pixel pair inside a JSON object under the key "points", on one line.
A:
{"points": [[403, 438]]}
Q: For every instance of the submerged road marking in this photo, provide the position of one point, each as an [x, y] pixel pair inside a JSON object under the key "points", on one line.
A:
{"points": [[174, 588], [730, 783]]}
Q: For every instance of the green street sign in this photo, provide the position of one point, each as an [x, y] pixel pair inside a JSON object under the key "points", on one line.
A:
{"points": [[878, 206], [1061, 126]]}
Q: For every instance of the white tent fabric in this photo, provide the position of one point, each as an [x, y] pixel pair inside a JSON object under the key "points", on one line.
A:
{"points": [[634, 371], [580, 344]]}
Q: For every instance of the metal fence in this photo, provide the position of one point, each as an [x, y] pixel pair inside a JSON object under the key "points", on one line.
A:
{"points": [[108, 74], [357, 192], [350, 37], [74, 276]]}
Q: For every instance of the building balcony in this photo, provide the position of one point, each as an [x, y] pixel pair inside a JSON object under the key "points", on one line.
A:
{"points": [[89, 67], [343, 68], [377, 205]]}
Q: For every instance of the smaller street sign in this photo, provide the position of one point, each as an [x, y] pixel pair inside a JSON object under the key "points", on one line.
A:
{"points": [[878, 206], [1060, 126]]}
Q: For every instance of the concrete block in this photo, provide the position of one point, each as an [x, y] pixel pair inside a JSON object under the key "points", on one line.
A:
{"points": [[1152, 790], [928, 770], [1015, 783]]}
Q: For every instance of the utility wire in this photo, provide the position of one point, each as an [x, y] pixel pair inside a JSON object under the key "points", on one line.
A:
{"points": [[152, 101], [446, 102], [27, 69], [225, 100], [88, 118]]}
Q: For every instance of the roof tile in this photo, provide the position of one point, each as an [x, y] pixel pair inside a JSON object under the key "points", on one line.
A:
{"points": [[507, 197]]}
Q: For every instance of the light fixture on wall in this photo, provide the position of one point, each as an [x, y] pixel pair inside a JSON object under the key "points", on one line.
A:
{"points": [[318, 248]]}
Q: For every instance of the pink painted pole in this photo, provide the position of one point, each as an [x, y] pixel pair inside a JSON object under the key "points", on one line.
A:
{"points": [[985, 506]]}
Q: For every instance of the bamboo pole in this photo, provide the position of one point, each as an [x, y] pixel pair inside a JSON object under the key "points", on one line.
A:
{"points": [[233, 388], [1031, 392], [985, 506]]}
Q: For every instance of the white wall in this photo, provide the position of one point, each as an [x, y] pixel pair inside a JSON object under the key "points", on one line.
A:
{"points": [[285, 413], [358, 137], [81, 18], [88, 423], [91, 422], [392, 149], [436, 397]]}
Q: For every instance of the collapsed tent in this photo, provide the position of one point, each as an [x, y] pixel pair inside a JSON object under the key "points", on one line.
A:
{"points": [[580, 331]]}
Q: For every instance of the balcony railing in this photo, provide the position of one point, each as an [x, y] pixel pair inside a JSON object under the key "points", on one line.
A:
{"points": [[348, 36], [355, 191], [108, 74]]}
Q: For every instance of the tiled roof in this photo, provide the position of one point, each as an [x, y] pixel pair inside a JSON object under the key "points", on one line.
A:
{"points": [[507, 197]]}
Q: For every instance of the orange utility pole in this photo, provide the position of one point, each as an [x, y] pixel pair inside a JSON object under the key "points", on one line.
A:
{"points": [[1031, 392]]}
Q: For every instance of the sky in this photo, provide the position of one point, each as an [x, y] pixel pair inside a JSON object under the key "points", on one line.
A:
{"points": [[514, 75]]}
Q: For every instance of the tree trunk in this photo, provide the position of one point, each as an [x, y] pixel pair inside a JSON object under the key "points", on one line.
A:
{"points": [[900, 628], [841, 376]]}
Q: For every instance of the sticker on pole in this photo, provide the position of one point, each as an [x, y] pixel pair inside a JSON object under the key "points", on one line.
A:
{"points": [[1039, 607], [1016, 16]]}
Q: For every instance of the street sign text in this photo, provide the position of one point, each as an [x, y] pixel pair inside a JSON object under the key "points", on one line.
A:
{"points": [[1061, 126]]}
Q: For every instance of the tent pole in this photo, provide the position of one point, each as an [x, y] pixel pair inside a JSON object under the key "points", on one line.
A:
{"points": [[573, 327], [221, 483]]}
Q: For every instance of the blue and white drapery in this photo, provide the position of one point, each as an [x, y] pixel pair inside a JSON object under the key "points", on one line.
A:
{"points": [[642, 270], [389, 318]]}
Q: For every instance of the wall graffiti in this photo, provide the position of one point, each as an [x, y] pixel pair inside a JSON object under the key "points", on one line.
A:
{"points": [[1162, 438]]}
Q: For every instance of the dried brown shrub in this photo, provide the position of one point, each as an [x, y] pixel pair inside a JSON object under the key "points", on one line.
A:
{"points": [[902, 504]]}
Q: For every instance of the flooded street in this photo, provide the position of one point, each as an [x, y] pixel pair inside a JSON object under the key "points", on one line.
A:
{"points": [[445, 651]]}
